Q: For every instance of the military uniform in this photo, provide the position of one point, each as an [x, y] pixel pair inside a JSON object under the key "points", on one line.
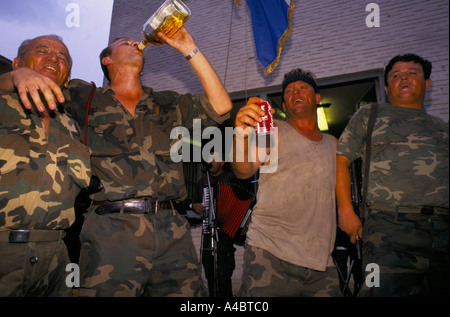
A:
{"points": [[39, 181], [132, 251], [406, 232]]}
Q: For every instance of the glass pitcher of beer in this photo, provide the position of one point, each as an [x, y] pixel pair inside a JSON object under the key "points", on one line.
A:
{"points": [[168, 19]]}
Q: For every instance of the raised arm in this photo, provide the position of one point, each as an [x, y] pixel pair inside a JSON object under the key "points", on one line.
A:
{"points": [[246, 157], [183, 42]]}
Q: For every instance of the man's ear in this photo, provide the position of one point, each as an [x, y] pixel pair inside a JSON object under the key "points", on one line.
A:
{"points": [[318, 98], [16, 63], [66, 84], [428, 83], [106, 60]]}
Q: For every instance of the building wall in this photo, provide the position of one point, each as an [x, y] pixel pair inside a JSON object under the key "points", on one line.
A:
{"points": [[329, 38]]}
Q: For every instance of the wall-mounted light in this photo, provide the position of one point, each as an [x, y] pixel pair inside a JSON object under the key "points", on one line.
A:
{"points": [[321, 117]]}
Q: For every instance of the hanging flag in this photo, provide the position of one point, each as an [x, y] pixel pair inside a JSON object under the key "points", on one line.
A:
{"points": [[272, 26]]}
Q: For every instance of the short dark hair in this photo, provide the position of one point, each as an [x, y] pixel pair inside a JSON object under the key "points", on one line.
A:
{"points": [[107, 52], [299, 74], [426, 65]]}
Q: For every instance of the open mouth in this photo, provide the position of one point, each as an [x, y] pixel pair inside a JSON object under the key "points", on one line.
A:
{"points": [[405, 85], [51, 68]]}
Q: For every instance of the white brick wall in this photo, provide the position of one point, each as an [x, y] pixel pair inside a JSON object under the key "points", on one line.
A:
{"points": [[329, 38]]}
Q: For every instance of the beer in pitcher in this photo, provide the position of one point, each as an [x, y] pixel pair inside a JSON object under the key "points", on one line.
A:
{"points": [[168, 19]]}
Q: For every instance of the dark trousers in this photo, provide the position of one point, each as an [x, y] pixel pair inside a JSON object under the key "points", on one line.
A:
{"points": [[411, 251], [225, 267]]}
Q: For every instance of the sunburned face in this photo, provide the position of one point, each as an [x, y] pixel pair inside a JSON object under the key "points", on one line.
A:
{"points": [[49, 57], [126, 50], [300, 98], [406, 84]]}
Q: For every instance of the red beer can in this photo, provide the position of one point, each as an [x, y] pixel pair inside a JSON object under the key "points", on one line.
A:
{"points": [[266, 125]]}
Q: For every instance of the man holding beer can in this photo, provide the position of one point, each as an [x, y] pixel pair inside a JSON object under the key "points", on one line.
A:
{"points": [[291, 235]]}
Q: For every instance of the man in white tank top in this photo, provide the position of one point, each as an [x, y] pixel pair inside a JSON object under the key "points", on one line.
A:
{"points": [[292, 231]]}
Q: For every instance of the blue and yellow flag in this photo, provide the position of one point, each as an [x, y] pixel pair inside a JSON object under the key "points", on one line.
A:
{"points": [[271, 21]]}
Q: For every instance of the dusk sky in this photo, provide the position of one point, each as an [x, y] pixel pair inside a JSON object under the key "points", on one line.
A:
{"points": [[83, 24]]}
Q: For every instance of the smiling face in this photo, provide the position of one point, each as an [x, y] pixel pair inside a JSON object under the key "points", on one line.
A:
{"points": [[300, 99], [47, 56], [406, 85]]}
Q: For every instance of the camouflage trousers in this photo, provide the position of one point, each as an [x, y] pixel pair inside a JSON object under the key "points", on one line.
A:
{"points": [[265, 275], [138, 255], [34, 269], [411, 252]]}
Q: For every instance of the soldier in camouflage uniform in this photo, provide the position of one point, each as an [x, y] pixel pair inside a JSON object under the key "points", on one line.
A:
{"points": [[134, 243], [405, 233], [43, 166]]}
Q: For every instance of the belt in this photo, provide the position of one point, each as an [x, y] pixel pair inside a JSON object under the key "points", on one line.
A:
{"points": [[24, 236], [132, 206], [424, 210]]}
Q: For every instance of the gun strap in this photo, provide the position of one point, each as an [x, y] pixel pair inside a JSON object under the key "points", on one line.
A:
{"points": [[370, 124], [87, 109]]}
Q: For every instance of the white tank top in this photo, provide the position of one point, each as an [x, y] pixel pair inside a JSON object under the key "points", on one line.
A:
{"points": [[295, 214]]}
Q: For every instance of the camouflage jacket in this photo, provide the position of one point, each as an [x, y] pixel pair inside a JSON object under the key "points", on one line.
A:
{"points": [[131, 155], [409, 159], [39, 178]]}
